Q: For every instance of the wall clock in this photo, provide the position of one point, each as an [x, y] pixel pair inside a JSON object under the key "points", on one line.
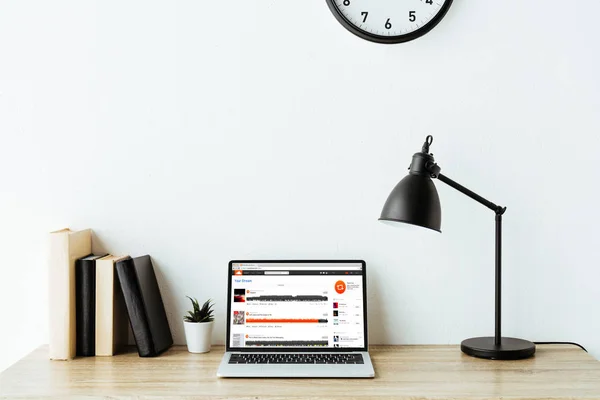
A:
{"points": [[389, 21]]}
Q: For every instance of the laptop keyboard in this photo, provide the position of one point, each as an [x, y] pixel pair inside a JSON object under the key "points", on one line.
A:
{"points": [[296, 358]]}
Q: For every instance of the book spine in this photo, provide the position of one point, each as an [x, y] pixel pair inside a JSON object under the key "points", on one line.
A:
{"points": [[138, 319], [105, 326], [85, 293], [58, 297]]}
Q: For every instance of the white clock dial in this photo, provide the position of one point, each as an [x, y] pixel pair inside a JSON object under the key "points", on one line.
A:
{"points": [[389, 21]]}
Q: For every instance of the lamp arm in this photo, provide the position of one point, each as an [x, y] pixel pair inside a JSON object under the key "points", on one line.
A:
{"points": [[499, 210], [423, 163]]}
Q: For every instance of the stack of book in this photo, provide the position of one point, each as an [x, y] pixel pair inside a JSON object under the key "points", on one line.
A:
{"points": [[94, 299]]}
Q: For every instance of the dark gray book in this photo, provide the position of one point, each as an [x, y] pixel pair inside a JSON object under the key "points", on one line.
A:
{"points": [[85, 306], [144, 305]]}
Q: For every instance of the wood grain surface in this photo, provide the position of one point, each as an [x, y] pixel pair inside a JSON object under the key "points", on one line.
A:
{"points": [[402, 372]]}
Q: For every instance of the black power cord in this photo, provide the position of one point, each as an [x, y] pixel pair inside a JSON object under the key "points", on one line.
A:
{"points": [[573, 343]]}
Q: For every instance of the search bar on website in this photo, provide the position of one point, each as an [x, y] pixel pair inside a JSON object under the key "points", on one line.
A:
{"points": [[277, 272]]}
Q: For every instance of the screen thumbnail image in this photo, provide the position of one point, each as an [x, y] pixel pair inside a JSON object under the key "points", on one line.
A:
{"points": [[239, 295], [335, 313], [239, 318]]}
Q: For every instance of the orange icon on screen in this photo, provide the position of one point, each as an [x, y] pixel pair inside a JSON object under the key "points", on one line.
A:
{"points": [[340, 287], [237, 272]]}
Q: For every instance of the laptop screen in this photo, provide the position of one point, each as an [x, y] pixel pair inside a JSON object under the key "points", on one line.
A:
{"points": [[314, 305]]}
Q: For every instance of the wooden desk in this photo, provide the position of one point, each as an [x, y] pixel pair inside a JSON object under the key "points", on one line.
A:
{"points": [[402, 372]]}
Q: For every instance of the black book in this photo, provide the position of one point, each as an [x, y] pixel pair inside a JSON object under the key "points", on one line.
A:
{"points": [[144, 305], [85, 306]]}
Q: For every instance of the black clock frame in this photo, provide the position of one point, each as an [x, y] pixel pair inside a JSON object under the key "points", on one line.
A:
{"points": [[388, 39]]}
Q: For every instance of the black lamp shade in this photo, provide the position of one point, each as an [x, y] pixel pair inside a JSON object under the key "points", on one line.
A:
{"points": [[414, 201]]}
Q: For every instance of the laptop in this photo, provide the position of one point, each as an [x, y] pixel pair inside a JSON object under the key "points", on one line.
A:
{"points": [[299, 318]]}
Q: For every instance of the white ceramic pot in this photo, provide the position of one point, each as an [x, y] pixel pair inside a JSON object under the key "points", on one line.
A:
{"points": [[198, 336]]}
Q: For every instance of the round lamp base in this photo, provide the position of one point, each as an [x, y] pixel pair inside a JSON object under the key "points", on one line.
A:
{"points": [[509, 349]]}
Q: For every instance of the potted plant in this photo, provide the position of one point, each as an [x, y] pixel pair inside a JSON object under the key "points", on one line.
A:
{"points": [[198, 325]]}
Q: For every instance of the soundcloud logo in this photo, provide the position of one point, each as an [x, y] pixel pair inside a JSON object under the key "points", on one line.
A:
{"points": [[340, 287]]}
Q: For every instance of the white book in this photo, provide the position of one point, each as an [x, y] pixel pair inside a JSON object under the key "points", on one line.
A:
{"points": [[66, 247], [112, 324]]}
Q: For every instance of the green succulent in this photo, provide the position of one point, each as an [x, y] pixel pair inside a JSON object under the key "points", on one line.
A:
{"points": [[204, 314]]}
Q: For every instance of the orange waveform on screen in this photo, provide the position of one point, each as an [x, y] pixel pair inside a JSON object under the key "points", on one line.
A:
{"points": [[282, 321]]}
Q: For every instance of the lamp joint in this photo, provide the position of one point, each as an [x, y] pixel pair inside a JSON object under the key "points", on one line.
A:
{"points": [[433, 169]]}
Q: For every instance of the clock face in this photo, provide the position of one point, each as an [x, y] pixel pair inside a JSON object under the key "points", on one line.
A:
{"points": [[389, 21]]}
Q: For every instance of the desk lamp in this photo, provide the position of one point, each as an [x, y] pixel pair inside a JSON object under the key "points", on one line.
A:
{"points": [[415, 201]]}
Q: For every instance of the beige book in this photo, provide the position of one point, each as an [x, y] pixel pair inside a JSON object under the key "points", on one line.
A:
{"points": [[66, 247], [112, 323]]}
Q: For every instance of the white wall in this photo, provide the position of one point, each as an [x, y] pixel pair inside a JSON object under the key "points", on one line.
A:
{"points": [[204, 131]]}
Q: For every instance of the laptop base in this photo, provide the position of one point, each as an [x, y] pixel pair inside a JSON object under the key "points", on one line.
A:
{"points": [[227, 370]]}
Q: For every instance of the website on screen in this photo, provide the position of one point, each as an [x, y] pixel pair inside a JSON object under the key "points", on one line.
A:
{"points": [[297, 305]]}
